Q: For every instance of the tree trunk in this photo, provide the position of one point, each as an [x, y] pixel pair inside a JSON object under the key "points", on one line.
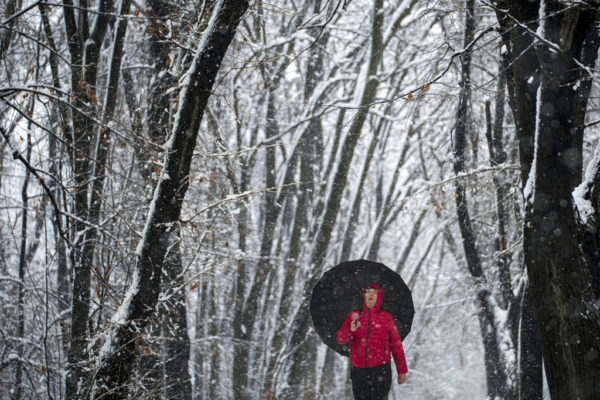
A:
{"points": [[156, 363], [310, 155], [119, 350], [498, 371], [62, 268], [352, 221], [240, 357], [531, 380], [176, 339], [587, 197], [11, 7], [20, 334], [560, 281], [84, 48], [63, 272]]}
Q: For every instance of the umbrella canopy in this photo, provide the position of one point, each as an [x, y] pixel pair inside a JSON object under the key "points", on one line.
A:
{"points": [[340, 290]]}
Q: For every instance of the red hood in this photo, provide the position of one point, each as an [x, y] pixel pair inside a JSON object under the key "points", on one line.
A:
{"points": [[377, 305]]}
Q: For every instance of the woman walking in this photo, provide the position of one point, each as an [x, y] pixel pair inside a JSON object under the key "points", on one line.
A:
{"points": [[373, 339]]}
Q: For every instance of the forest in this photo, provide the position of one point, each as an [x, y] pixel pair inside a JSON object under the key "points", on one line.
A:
{"points": [[177, 175]]}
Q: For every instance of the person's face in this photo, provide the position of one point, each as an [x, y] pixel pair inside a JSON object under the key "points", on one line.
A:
{"points": [[371, 298]]}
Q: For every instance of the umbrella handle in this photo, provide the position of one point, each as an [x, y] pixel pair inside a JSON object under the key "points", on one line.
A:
{"points": [[356, 320]]}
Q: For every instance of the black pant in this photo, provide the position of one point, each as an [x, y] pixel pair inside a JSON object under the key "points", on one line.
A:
{"points": [[371, 383]]}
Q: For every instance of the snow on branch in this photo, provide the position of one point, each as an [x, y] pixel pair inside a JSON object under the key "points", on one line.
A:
{"points": [[587, 194]]}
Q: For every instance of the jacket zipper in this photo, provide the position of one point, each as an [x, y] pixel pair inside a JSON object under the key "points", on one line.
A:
{"points": [[367, 344]]}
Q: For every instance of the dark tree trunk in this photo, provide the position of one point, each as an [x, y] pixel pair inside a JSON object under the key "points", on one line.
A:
{"points": [[103, 136], [521, 68], [524, 330], [120, 352], [84, 48], [62, 269], [177, 342], [11, 7], [63, 273], [560, 281], [522, 79], [498, 157], [531, 380], [559, 278], [240, 360], [152, 361], [159, 109], [20, 333]]}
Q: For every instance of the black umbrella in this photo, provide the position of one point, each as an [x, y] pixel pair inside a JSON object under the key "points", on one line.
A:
{"points": [[340, 290]]}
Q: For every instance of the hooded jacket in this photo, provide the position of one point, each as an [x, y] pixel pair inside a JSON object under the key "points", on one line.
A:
{"points": [[376, 339]]}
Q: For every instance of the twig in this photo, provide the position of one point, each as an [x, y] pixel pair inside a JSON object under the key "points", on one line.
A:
{"points": [[463, 176], [238, 197], [17, 156]]}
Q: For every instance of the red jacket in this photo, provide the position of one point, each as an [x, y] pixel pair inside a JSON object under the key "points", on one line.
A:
{"points": [[371, 342]]}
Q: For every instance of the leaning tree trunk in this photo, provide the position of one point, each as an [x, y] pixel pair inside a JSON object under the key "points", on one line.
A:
{"points": [[119, 349], [172, 375]]}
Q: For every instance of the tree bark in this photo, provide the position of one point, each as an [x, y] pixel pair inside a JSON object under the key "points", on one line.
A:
{"points": [[177, 341], [560, 280], [164, 367], [531, 380]]}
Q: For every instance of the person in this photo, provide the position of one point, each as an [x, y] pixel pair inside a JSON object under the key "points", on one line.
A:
{"points": [[372, 335]]}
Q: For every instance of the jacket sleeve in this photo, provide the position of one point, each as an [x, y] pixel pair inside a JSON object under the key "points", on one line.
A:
{"points": [[397, 349], [344, 334]]}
